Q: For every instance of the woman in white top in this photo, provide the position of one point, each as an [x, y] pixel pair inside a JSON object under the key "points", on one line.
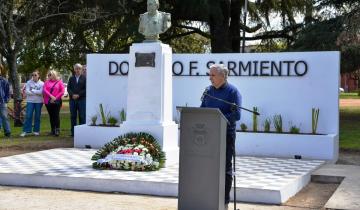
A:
{"points": [[34, 103]]}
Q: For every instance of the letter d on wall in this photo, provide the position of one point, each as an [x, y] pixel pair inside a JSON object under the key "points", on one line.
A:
{"points": [[113, 68]]}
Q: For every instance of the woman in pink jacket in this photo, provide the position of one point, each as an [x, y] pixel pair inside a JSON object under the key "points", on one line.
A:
{"points": [[53, 91]]}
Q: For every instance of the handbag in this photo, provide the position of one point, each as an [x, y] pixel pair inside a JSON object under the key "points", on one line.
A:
{"points": [[57, 101]]}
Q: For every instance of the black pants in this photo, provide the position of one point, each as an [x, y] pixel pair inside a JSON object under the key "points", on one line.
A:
{"points": [[77, 106], [230, 149], [54, 112]]}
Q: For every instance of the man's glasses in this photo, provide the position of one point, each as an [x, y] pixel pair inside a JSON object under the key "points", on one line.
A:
{"points": [[35, 75]]}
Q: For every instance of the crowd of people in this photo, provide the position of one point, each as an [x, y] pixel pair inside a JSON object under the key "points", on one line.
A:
{"points": [[49, 93]]}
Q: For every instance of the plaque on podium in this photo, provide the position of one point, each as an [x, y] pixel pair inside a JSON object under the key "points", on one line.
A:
{"points": [[202, 159]]}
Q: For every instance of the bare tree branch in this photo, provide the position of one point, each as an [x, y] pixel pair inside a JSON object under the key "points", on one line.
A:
{"points": [[195, 30]]}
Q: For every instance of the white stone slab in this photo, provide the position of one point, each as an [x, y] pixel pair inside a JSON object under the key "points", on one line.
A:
{"points": [[263, 180]]}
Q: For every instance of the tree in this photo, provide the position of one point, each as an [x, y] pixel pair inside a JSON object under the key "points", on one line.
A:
{"points": [[225, 24], [335, 29], [17, 19]]}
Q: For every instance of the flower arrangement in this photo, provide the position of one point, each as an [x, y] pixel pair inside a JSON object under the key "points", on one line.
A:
{"points": [[132, 151]]}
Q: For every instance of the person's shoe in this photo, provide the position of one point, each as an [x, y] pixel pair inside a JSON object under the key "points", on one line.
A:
{"points": [[36, 133], [23, 134], [7, 134], [57, 132]]}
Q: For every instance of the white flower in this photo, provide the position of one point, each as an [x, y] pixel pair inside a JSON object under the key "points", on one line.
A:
{"points": [[135, 153]]}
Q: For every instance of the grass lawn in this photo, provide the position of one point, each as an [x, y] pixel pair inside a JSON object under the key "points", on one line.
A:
{"points": [[350, 128], [353, 95], [45, 128]]}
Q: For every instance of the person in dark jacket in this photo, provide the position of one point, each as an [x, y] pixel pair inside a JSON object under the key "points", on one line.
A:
{"points": [[4, 99], [77, 92], [221, 89]]}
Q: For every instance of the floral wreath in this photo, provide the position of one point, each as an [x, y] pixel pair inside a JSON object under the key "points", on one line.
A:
{"points": [[132, 152]]}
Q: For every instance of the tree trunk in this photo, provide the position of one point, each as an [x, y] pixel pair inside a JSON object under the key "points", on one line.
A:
{"points": [[234, 34], [15, 83], [219, 26]]}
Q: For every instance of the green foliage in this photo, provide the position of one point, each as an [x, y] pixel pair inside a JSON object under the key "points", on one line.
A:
{"points": [[278, 123], [243, 127], [255, 119], [122, 115], [294, 129], [192, 43], [112, 121], [349, 137], [102, 114], [267, 125], [93, 119], [314, 119], [351, 95], [334, 31], [271, 45]]}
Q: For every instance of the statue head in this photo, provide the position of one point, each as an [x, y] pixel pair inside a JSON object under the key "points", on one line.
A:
{"points": [[152, 6]]}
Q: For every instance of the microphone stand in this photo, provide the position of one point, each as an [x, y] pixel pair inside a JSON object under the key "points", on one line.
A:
{"points": [[234, 151], [232, 104]]}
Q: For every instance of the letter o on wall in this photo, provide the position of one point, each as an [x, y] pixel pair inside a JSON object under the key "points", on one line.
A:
{"points": [[177, 68], [304, 68]]}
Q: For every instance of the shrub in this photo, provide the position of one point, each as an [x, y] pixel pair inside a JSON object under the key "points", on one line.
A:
{"points": [[112, 121], [102, 114], [294, 128], [278, 123], [267, 125], [122, 115], [243, 127], [93, 119], [314, 119], [255, 119]]}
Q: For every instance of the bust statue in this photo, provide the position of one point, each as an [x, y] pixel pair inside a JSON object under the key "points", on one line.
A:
{"points": [[154, 22]]}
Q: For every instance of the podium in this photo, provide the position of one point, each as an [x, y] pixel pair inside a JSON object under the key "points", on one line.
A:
{"points": [[202, 159]]}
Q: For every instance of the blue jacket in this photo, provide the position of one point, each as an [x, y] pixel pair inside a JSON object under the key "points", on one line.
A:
{"points": [[4, 90], [228, 93]]}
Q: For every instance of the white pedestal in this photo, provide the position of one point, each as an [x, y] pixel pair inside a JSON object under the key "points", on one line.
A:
{"points": [[149, 104], [149, 98]]}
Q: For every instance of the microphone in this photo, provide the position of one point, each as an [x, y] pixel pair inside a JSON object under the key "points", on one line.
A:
{"points": [[204, 94]]}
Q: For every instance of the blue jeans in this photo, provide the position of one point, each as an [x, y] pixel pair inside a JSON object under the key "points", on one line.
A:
{"points": [[4, 120], [75, 107], [30, 109]]}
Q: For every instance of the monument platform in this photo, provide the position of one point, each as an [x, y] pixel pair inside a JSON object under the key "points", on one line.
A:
{"points": [[259, 179]]}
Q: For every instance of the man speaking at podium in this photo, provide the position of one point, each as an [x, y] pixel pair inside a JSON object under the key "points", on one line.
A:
{"points": [[220, 94]]}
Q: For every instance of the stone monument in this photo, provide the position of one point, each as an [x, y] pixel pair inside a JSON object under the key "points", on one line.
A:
{"points": [[153, 22], [149, 98]]}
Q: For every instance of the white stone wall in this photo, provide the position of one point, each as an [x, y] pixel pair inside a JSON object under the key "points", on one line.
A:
{"points": [[291, 96]]}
